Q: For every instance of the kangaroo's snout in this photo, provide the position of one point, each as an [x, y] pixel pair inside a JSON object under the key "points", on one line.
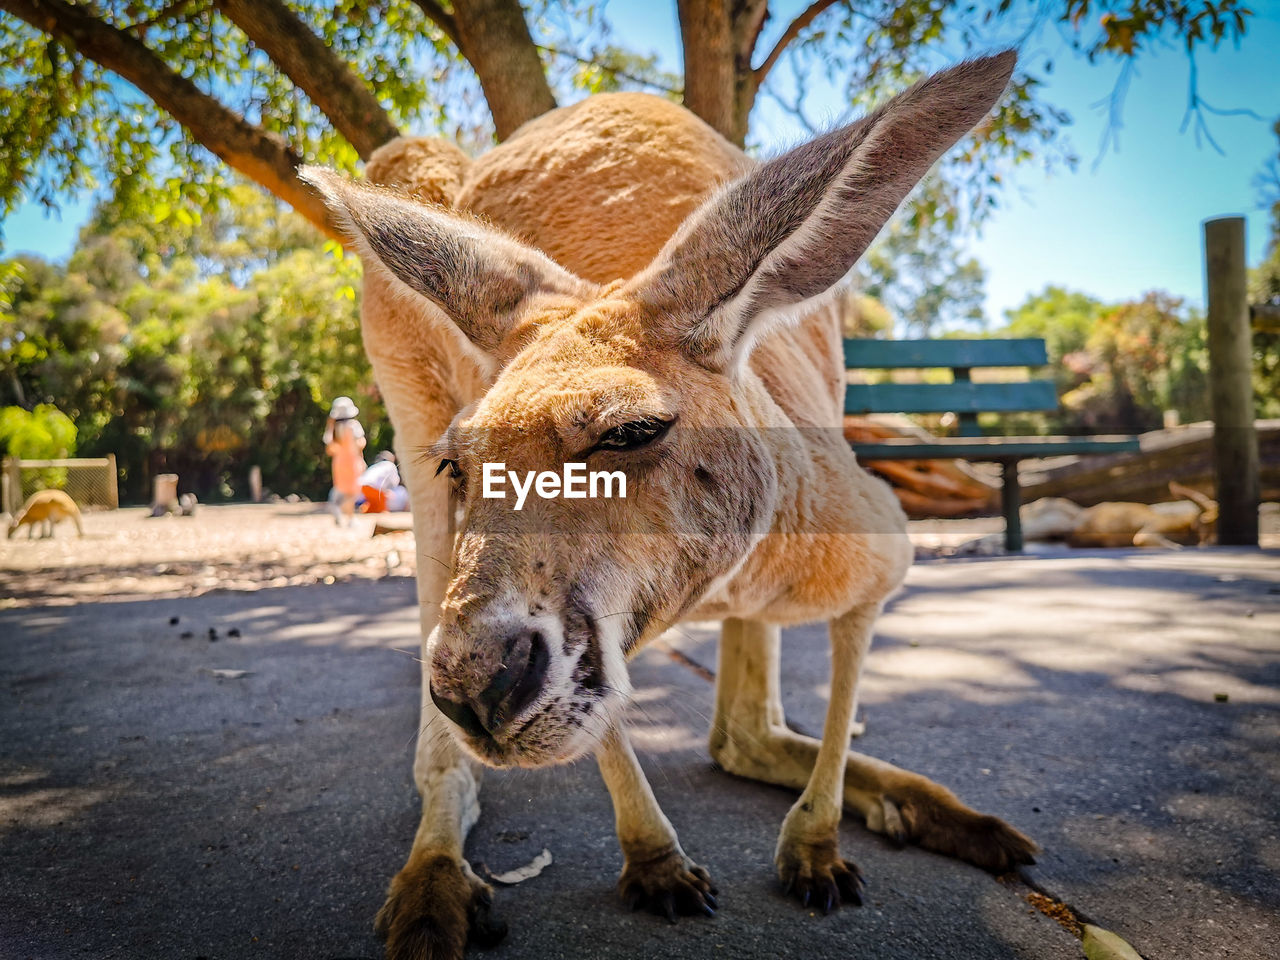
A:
{"points": [[504, 695]]}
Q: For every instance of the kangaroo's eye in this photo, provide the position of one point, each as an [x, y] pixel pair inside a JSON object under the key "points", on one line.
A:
{"points": [[630, 436], [452, 467]]}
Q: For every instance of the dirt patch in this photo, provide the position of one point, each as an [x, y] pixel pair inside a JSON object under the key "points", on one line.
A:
{"points": [[126, 554]]}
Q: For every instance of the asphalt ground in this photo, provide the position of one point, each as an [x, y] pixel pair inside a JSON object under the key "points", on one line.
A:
{"points": [[1123, 709]]}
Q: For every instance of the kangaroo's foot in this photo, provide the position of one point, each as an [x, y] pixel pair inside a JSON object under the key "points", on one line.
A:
{"points": [[433, 907], [656, 873], [904, 806], [815, 873], [917, 810], [668, 884]]}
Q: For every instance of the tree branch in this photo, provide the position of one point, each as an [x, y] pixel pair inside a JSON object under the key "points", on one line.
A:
{"points": [[263, 157], [806, 17], [441, 18], [613, 71], [306, 60], [751, 33]]}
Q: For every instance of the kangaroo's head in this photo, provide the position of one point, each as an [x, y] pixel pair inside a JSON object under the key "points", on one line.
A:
{"points": [[1205, 526], [647, 378]]}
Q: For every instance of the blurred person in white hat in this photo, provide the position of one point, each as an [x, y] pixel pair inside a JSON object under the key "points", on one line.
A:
{"points": [[344, 442]]}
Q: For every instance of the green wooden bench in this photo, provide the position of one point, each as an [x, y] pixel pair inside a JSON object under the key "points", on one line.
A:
{"points": [[966, 399]]}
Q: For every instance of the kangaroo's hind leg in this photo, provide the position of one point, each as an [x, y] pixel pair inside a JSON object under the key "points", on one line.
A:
{"points": [[749, 738]]}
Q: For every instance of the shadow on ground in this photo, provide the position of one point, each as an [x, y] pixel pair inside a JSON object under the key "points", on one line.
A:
{"points": [[149, 809]]}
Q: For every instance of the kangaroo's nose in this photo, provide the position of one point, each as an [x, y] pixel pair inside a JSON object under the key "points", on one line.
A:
{"points": [[510, 690]]}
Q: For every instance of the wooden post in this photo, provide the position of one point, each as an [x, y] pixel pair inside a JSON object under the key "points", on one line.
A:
{"points": [[1235, 440], [113, 483], [13, 485]]}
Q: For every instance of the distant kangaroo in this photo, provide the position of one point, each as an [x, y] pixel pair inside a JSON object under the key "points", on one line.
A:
{"points": [[673, 323], [46, 507]]}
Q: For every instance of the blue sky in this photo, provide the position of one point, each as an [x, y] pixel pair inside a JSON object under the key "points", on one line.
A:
{"points": [[1127, 224]]}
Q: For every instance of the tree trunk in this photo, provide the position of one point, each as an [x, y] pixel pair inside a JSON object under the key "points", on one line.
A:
{"points": [[718, 38], [494, 38]]}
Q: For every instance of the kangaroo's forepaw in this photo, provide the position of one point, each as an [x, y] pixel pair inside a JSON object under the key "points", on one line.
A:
{"points": [[945, 825], [434, 905], [668, 884], [816, 875]]}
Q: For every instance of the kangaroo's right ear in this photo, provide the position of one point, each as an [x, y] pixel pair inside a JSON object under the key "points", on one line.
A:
{"points": [[482, 279], [766, 245]]}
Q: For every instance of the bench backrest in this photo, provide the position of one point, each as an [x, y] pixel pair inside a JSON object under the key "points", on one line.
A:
{"points": [[962, 396]]}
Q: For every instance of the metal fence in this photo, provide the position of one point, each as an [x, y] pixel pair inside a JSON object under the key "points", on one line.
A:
{"points": [[90, 482]]}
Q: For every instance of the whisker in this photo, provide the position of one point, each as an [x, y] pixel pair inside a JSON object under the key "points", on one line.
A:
{"points": [[428, 556]]}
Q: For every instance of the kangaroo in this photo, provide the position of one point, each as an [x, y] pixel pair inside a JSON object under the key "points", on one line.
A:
{"points": [[46, 507], [676, 328], [1191, 520]]}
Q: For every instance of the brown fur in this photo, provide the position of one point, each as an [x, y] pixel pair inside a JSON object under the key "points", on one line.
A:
{"points": [[643, 303], [433, 907], [632, 159], [1191, 520], [46, 507]]}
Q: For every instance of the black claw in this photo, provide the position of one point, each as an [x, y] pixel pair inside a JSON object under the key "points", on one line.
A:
{"points": [[851, 887], [708, 909], [710, 898], [486, 930], [830, 902], [804, 901], [788, 886], [668, 904]]}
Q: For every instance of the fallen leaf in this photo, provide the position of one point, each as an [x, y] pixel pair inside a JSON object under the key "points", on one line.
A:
{"points": [[1102, 944], [527, 872]]}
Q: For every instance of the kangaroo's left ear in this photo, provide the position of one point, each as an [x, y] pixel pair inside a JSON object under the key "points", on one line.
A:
{"points": [[787, 232], [483, 280]]}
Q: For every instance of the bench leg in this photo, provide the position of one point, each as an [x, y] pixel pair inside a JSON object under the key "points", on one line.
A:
{"points": [[1011, 505]]}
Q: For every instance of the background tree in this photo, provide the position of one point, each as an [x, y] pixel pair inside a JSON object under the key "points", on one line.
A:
{"points": [[917, 271], [163, 99], [201, 362], [1264, 290], [199, 327], [45, 433], [1117, 367]]}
